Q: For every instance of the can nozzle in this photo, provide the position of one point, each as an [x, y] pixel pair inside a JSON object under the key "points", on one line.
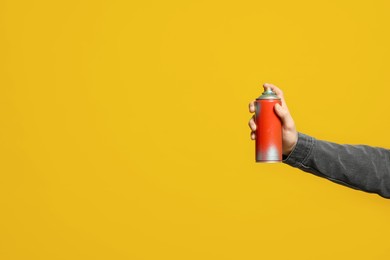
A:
{"points": [[268, 94], [268, 91]]}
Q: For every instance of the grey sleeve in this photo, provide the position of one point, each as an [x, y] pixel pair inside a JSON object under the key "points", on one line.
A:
{"points": [[360, 167]]}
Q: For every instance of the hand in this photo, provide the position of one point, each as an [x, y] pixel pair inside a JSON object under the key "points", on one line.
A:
{"points": [[289, 133]]}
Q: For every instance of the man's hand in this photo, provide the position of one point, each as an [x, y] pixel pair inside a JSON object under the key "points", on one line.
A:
{"points": [[290, 134]]}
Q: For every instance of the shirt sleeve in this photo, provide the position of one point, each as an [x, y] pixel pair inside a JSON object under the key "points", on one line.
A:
{"points": [[360, 167]]}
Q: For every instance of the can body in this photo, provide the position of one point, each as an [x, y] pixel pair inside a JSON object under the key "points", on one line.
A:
{"points": [[268, 131]]}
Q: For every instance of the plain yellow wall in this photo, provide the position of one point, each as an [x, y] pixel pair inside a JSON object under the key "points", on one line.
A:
{"points": [[123, 128]]}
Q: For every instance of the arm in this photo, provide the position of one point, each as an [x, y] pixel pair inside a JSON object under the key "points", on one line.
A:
{"points": [[357, 166]]}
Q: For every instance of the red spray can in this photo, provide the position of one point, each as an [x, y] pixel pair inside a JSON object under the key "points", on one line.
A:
{"points": [[269, 128]]}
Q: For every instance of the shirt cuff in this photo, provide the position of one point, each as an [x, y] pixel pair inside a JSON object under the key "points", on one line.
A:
{"points": [[301, 151]]}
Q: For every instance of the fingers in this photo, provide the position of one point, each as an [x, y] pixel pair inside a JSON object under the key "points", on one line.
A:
{"points": [[284, 116], [282, 113], [277, 91], [252, 124], [274, 88], [252, 107]]}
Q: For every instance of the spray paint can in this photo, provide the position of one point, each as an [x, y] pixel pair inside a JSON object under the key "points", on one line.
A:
{"points": [[269, 128]]}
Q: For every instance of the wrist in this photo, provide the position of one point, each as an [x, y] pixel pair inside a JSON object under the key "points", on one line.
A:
{"points": [[291, 144]]}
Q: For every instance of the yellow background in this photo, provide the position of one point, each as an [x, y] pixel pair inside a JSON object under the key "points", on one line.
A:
{"points": [[123, 128]]}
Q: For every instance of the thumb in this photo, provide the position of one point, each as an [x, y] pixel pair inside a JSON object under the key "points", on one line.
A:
{"points": [[281, 112]]}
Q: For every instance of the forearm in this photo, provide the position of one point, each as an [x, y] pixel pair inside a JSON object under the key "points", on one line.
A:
{"points": [[357, 166]]}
